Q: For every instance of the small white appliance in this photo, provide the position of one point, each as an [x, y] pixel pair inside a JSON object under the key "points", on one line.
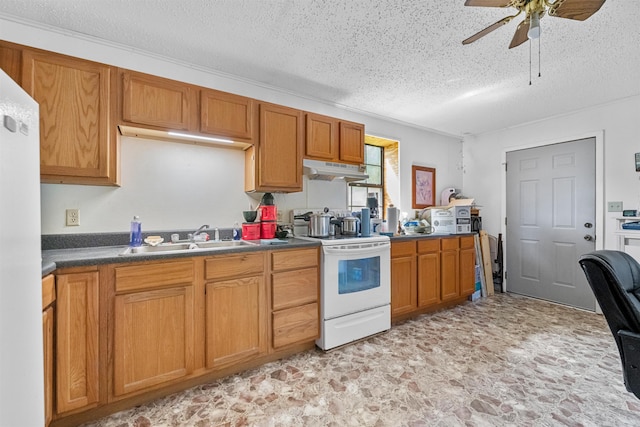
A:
{"points": [[22, 365], [447, 194], [355, 285]]}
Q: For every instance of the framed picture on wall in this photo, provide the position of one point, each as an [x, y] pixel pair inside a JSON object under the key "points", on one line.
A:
{"points": [[423, 187]]}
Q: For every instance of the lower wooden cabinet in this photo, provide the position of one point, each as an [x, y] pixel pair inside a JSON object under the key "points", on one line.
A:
{"points": [[235, 307], [404, 293], [428, 273], [153, 325], [77, 331], [294, 297], [48, 299]]}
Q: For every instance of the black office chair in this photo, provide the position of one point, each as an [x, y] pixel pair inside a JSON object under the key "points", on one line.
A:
{"points": [[614, 277]]}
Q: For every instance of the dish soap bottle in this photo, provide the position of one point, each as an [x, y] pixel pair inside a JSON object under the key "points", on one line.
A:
{"points": [[135, 236], [237, 232]]}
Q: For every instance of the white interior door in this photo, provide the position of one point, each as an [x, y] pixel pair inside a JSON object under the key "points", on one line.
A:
{"points": [[551, 221]]}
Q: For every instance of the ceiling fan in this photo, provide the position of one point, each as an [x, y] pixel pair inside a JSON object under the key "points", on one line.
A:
{"points": [[534, 10]]}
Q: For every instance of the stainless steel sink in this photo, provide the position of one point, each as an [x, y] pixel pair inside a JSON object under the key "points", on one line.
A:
{"points": [[166, 248]]}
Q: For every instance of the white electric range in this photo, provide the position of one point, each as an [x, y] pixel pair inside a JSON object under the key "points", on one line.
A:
{"points": [[355, 281]]}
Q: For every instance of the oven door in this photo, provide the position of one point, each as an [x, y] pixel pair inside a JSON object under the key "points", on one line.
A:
{"points": [[356, 277]]}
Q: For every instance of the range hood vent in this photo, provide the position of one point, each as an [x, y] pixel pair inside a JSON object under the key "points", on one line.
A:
{"points": [[328, 171]]}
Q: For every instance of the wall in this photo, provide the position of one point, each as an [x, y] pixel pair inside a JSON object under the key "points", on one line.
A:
{"points": [[617, 122], [179, 186]]}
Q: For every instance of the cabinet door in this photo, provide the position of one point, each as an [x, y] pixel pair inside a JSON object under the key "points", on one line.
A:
{"points": [[157, 102], [77, 330], [404, 295], [351, 142], [428, 279], [235, 320], [226, 114], [449, 267], [153, 338], [322, 137], [467, 271], [47, 341], [77, 134], [11, 61], [279, 154]]}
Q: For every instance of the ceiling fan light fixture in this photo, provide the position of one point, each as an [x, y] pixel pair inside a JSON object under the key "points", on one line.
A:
{"points": [[534, 26]]}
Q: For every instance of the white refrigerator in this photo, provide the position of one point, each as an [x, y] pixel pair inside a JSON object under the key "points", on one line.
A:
{"points": [[21, 354]]}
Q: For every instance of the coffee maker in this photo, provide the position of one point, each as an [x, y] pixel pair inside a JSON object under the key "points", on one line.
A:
{"points": [[372, 204]]}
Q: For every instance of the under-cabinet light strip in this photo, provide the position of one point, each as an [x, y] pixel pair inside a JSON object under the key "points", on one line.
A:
{"points": [[206, 138]]}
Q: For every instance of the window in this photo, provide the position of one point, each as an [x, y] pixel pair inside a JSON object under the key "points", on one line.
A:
{"points": [[374, 185]]}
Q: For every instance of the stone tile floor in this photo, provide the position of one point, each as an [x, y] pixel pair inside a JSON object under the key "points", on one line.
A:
{"points": [[505, 360]]}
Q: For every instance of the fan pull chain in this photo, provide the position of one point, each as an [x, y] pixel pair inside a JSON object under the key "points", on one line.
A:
{"points": [[539, 63], [529, 62]]}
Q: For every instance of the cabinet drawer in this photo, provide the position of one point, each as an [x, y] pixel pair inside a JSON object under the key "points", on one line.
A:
{"points": [[155, 275], [287, 260], [449, 244], [429, 245], [48, 290], [466, 242], [244, 264], [293, 288], [399, 249], [295, 325]]}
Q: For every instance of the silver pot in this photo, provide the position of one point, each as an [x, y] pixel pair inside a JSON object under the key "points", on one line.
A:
{"points": [[319, 224], [349, 226]]}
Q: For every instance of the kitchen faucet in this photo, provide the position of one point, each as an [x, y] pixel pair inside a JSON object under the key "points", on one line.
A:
{"points": [[192, 236]]}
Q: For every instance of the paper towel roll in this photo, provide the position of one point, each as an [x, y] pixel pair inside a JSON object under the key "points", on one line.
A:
{"points": [[393, 215], [365, 222]]}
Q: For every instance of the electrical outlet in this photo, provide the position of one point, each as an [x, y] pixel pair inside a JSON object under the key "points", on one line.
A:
{"points": [[614, 207], [73, 217]]}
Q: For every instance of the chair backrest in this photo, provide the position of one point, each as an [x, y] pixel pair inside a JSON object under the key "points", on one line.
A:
{"points": [[614, 277]]}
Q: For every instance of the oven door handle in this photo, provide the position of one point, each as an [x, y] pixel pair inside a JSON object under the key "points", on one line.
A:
{"points": [[358, 249]]}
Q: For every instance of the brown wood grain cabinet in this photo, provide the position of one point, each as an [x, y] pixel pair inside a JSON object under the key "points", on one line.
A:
{"points": [[467, 266], [351, 142], [157, 103], [11, 61], [48, 315], [153, 325], [226, 114], [77, 332], [236, 309], [78, 141], [449, 269], [275, 164], [331, 139], [404, 292], [430, 273], [294, 297]]}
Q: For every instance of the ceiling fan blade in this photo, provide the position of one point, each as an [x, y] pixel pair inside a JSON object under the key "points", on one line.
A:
{"points": [[576, 9], [487, 30], [488, 3], [521, 34]]}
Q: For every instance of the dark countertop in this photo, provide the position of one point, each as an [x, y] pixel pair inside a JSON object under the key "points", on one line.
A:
{"points": [[75, 257]]}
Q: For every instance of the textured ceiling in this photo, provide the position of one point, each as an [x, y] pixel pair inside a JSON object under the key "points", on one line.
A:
{"points": [[399, 59]]}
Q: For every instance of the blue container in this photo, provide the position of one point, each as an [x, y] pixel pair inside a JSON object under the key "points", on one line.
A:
{"points": [[365, 222], [135, 236]]}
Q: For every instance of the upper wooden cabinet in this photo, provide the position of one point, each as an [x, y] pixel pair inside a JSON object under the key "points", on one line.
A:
{"points": [[331, 139], [226, 114], [351, 142], [276, 163], [11, 61], [157, 102], [78, 142]]}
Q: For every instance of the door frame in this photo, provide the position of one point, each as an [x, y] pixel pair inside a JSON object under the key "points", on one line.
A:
{"points": [[599, 187]]}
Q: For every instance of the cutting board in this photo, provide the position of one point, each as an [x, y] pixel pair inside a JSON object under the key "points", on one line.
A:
{"points": [[486, 261]]}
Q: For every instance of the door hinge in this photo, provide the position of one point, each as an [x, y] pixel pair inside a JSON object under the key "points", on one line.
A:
{"points": [[505, 220], [505, 166], [505, 275]]}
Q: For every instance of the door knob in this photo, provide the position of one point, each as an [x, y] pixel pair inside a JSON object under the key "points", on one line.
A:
{"points": [[588, 225], [588, 238]]}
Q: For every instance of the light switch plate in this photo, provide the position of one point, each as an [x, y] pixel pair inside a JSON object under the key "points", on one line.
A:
{"points": [[614, 207]]}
